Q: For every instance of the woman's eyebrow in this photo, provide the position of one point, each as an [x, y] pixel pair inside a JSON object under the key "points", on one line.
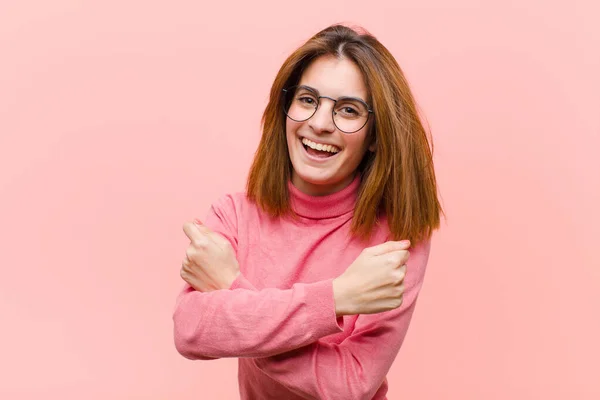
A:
{"points": [[310, 88], [319, 93]]}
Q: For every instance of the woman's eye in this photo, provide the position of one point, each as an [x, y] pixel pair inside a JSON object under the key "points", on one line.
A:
{"points": [[306, 100], [349, 111]]}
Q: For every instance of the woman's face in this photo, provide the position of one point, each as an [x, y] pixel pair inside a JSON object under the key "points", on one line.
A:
{"points": [[323, 172]]}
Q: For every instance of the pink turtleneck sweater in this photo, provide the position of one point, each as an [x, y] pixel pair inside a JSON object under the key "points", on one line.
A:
{"points": [[279, 318]]}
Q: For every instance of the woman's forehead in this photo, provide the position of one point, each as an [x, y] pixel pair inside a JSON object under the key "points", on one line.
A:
{"points": [[335, 77]]}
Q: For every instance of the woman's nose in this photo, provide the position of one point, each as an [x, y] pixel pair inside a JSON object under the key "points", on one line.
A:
{"points": [[322, 120]]}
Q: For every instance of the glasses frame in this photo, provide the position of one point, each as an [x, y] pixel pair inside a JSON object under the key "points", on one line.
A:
{"points": [[319, 97]]}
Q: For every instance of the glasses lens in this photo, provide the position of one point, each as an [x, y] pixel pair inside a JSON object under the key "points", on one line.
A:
{"points": [[350, 115], [300, 103]]}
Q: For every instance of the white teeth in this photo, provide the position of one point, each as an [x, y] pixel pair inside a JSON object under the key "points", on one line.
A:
{"points": [[319, 146]]}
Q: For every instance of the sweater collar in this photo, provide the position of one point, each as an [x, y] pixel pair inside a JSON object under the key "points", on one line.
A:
{"points": [[328, 206]]}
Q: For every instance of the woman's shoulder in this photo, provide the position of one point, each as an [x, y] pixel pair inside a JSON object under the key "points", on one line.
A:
{"points": [[383, 233], [234, 203]]}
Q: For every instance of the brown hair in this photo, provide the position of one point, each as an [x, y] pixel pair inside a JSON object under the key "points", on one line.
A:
{"points": [[397, 180]]}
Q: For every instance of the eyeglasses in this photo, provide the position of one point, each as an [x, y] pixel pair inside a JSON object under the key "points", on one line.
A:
{"points": [[349, 114]]}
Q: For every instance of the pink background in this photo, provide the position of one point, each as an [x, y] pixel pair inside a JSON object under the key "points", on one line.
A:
{"points": [[121, 120]]}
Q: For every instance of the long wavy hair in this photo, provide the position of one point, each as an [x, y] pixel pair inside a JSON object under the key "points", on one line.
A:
{"points": [[397, 179]]}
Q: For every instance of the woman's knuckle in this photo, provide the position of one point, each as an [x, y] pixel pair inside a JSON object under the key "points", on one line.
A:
{"points": [[397, 291], [401, 275], [201, 243], [397, 280], [393, 260], [190, 252]]}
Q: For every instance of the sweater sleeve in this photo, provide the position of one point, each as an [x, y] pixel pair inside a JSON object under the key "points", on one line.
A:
{"points": [[355, 368], [244, 322], [248, 323]]}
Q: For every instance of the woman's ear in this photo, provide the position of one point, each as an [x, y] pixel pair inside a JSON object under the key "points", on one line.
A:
{"points": [[372, 137], [372, 142]]}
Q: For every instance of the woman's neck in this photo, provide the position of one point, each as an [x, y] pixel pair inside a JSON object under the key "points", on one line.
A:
{"points": [[313, 189], [330, 205]]}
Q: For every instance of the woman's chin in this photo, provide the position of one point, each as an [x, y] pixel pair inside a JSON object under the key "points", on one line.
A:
{"points": [[316, 176], [316, 184]]}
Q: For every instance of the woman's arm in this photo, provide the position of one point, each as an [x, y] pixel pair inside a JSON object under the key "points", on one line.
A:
{"points": [[355, 368], [248, 323]]}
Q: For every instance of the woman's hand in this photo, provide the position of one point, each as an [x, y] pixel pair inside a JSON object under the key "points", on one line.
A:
{"points": [[210, 262], [374, 282]]}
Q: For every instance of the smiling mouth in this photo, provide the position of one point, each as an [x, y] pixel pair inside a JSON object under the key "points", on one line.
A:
{"points": [[319, 150]]}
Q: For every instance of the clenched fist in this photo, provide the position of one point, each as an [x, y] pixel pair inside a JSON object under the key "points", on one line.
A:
{"points": [[210, 262], [374, 282]]}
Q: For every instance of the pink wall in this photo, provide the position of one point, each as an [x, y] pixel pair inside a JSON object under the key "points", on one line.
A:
{"points": [[119, 122]]}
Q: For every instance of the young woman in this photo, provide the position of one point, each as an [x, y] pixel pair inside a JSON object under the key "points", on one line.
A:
{"points": [[306, 277]]}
